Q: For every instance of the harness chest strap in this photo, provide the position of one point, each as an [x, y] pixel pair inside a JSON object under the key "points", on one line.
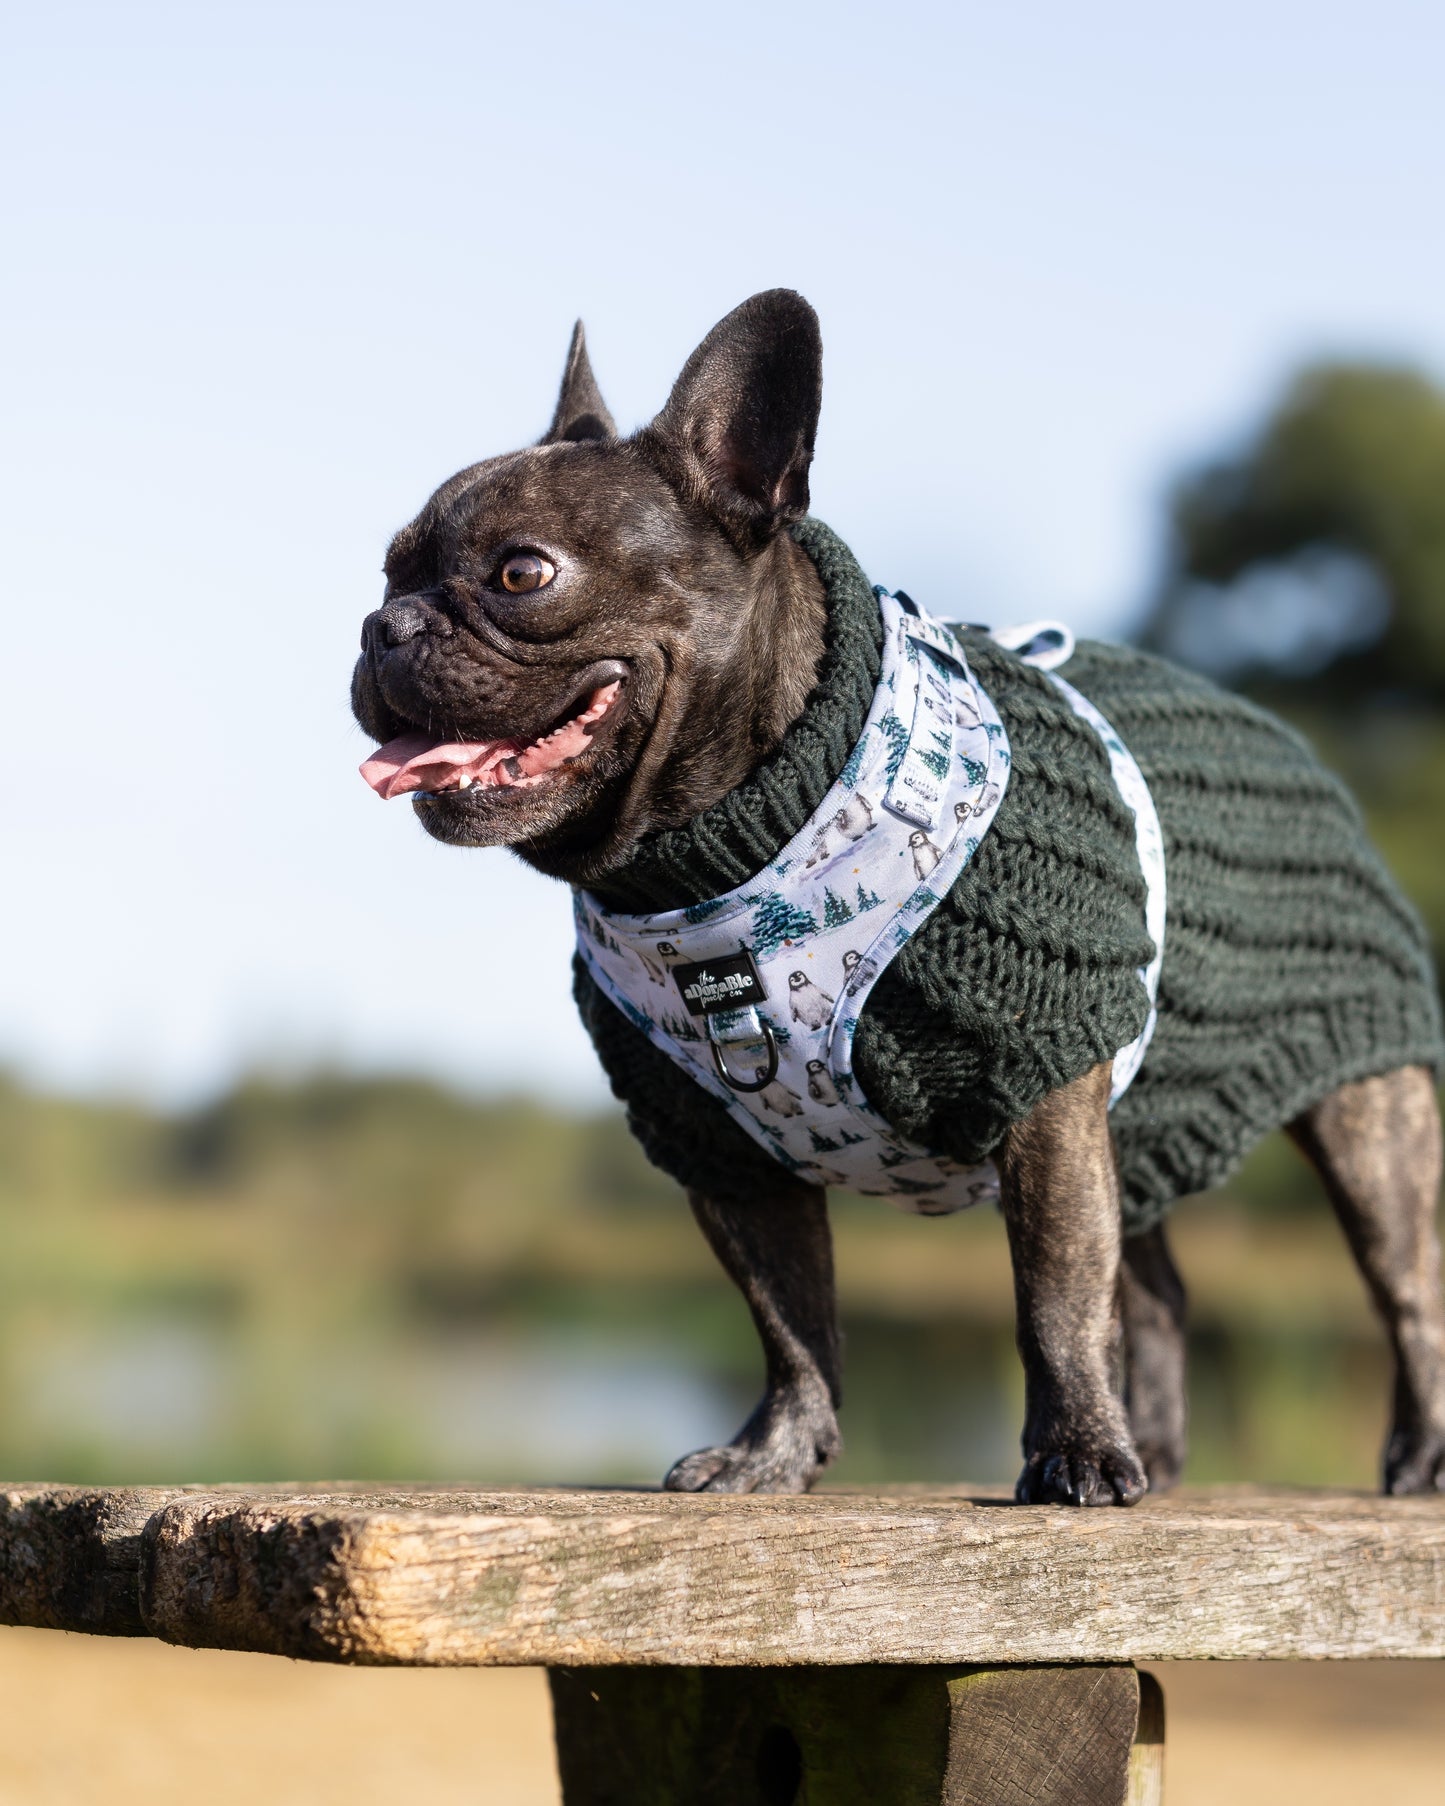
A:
{"points": [[757, 994]]}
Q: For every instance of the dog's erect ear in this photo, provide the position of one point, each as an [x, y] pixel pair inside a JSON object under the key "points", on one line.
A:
{"points": [[581, 411], [737, 432]]}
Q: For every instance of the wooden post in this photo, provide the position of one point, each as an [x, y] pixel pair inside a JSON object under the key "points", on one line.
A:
{"points": [[1146, 1758], [857, 1736]]}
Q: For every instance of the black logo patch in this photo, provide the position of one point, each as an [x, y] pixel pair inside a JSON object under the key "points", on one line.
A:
{"points": [[710, 985]]}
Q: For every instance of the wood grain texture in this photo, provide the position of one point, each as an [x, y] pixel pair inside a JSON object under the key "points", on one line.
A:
{"points": [[70, 1556], [593, 1578], [1043, 1736], [751, 1737], [1146, 1758]]}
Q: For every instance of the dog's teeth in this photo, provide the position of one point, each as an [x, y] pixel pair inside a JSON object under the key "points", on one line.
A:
{"points": [[464, 782]]}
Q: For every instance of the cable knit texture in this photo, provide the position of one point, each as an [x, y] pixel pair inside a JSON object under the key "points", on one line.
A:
{"points": [[1291, 962]]}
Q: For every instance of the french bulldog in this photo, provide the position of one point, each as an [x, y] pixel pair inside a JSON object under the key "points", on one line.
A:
{"points": [[595, 638]]}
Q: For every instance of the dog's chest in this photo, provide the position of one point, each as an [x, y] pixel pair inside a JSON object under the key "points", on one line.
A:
{"points": [[757, 994]]}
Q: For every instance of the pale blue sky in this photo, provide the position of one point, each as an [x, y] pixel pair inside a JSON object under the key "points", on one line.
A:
{"points": [[272, 272]]}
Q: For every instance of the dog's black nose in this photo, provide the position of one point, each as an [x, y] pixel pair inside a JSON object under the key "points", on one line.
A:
{"points": [[400, 621]]}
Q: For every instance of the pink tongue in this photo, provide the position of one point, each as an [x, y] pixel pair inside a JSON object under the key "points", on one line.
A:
{"points": [[423, 762]]}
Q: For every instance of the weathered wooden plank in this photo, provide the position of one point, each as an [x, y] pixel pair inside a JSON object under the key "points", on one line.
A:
{"points": [[501, 1576], [70, 1556], [587, 1579], [845, 1736]]}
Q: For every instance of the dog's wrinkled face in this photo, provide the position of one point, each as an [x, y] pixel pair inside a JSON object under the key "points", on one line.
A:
{"points": [[521, 710], [593, 637]]}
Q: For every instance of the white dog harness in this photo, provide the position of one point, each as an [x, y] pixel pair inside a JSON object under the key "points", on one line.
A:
{"points": [[757, 994]]}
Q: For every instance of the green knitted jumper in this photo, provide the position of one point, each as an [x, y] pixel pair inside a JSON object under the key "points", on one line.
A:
{"points": [[1291, 962]]}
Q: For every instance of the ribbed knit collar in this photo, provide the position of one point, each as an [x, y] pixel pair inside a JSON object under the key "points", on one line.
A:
{"points": [[735, 839]]}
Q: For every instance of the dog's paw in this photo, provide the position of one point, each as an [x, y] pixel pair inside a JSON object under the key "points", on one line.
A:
{"points": [[777, 1450], [735, 1468], [1105, 1475], [1415, 1462]]}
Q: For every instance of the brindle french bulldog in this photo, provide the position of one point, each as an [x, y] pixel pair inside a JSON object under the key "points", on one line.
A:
{"points": [[597, 637]]}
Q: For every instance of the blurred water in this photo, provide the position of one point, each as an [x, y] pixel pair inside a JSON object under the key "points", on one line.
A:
{"points": [[153, 1388], [570, 1407], [941, 1401]]}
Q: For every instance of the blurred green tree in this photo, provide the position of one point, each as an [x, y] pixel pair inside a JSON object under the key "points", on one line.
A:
{"points": [[1315, 555]]}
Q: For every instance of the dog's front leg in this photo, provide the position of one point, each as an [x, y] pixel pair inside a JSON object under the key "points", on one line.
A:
{"points": [[1060, 1193], [777, 1247]]}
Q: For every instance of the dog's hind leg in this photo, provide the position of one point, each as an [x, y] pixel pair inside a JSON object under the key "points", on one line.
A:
{"points": [[777, 1248], [1377, 1147], [1151, 1305]]}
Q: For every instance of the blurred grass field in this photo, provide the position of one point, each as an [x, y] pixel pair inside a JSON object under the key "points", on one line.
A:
{"points": [[334, 1277]]}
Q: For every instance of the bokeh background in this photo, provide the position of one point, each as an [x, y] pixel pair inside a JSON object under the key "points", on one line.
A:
{"points": [[1131, 317]]}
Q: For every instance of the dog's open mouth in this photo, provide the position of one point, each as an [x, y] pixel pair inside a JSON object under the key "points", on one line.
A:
{"points": [[425, 762]]}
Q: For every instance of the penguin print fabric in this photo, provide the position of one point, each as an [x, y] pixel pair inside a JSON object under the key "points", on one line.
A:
{"points": [[757, 994], [909, 808]]}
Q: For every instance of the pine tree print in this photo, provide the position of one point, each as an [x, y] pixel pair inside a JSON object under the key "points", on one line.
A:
{"points": [[937, 762], [835, 910], [776, 920], [822, 1144], [699, 912], [853, 770], [897, 737], [866, 898], [972, 770], [635, 1015]]}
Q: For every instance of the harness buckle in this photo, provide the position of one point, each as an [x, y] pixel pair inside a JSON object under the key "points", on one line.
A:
{"points": [[769, 1072]]}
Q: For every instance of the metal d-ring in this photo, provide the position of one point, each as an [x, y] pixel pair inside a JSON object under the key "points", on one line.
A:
{"points": [[738, 1084]]}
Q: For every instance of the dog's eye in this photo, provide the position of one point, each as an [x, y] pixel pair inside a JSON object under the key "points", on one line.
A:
{"points": [[527, 570]]}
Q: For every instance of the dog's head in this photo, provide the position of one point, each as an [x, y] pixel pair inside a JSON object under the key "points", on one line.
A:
{"points": [[598, 636]]}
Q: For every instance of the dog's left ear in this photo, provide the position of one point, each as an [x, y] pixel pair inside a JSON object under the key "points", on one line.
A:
{"points": [[737, 432], [581, 411]]}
